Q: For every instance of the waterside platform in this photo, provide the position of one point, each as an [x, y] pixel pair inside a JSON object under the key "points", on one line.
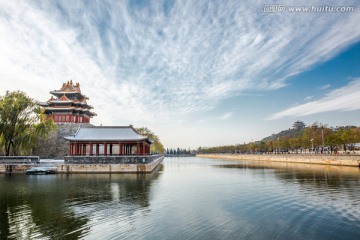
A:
{"points": [[110, 164], [88, 164], [324, 159]]}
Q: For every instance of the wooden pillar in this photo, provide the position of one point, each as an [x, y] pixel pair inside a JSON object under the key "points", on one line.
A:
{"points": [[120, 150], [70, 149], [105, 149], [97, 149], [91, 149], [84, 149]]}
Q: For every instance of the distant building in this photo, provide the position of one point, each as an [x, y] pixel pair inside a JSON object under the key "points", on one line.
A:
{"points": [[69, 105], [298, 125], [108, 141]]}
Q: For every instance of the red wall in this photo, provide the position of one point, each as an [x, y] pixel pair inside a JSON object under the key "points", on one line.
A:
{"points": [[69, 118]]}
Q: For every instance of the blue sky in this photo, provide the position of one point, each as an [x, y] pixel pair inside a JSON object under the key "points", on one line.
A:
{"points": [[197, 73]]}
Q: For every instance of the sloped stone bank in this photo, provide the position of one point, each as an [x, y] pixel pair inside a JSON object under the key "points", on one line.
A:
{"points": [[337, 160]]}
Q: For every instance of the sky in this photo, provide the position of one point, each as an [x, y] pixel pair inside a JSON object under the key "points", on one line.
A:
{"points": [[196, 72]]}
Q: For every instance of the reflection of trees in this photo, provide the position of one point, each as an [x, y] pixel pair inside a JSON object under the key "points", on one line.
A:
{"points": [[301, 171], [34, 205], [310, 177], [245, 165], [322, 178], [43, 206]]}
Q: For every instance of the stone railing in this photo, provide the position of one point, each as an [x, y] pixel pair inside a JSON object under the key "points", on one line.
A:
{"points": [[13, 160], [127, 159]]}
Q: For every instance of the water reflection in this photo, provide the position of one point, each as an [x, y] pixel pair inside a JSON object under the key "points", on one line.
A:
{"points": [[55, 206], [189, 198], [331, 189], [331, 175]]}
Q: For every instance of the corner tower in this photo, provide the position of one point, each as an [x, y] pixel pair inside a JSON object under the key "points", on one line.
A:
{"points": [[68, 105]]}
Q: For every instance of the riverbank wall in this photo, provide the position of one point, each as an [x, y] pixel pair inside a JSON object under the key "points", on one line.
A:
{"points": [[135, 164], [15, 168], [336, 160], [127, 165]]}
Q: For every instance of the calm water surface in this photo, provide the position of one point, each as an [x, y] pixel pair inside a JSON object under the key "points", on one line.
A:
{"points": [[186, 198]]}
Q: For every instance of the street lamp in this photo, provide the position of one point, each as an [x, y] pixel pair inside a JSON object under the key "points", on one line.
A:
{"points": [[312, 145]]}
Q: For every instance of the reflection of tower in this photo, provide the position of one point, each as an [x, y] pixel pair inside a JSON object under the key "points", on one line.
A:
{"points": [[115, 191], [69, 105]]}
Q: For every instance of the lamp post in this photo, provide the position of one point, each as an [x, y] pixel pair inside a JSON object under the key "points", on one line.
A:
{"points": [[312, 145]]}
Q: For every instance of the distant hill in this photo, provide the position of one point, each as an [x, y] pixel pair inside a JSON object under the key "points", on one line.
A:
{"points": [[290, 133]]}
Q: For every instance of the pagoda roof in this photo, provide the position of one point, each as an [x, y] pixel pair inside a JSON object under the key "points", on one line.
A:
{"points": [[66, 107], [107, 133], [69, 88], [60, 108], [65, 99], [51, 99], [68, 98]]}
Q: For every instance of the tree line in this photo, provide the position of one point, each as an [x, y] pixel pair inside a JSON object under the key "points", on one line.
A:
{"points": [[177, 151], [316, 138]]}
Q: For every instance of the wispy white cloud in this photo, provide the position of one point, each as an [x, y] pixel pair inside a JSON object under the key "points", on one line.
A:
{"points": [[324, 87], [308, 98], [346, 98], [222, 117], [159, 60]]}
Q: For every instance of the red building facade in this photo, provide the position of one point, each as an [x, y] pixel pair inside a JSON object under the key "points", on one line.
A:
{"points": [[108, 141], [68, 105]]}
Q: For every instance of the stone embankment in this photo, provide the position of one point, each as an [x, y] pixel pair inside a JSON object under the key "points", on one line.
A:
{"points": [[17, 164], [126, 164], [337, 160], [146, 166], [18, 168]]}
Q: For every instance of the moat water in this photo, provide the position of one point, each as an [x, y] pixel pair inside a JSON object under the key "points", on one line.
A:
{"points": [[186, 198]]}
